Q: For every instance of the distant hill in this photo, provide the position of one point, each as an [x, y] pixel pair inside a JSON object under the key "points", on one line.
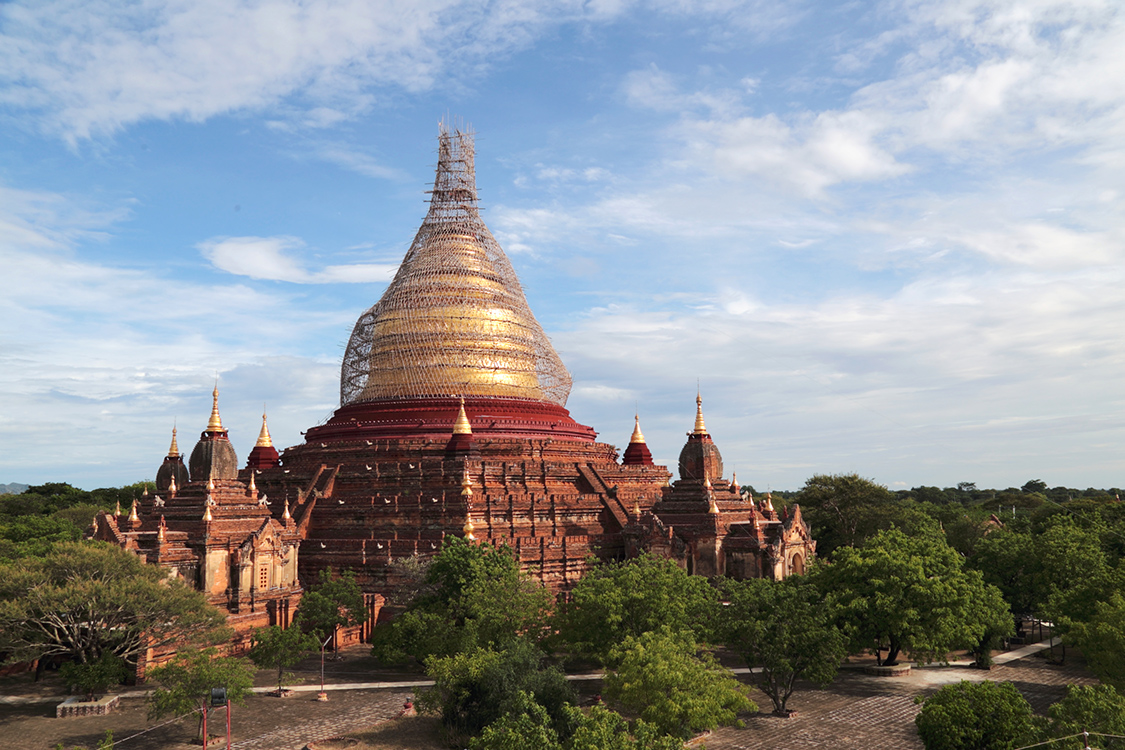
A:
{"points": [[14, 488]]}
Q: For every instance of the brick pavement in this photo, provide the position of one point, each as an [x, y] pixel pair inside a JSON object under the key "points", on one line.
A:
{"points": [[861, 711], [263, 723], [857, 711]]}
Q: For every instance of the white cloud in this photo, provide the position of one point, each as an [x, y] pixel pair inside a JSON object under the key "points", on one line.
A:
{"points": [[269, 258], [88, 69]]}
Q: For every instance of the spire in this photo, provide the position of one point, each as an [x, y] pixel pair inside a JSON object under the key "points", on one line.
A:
{"points": [[160, 530], [174, 450], [769, 502], [207, 513], [133, 517], [455, 293], [253, 489], [462, 426], [215, 423], [285, 516], [700, 428], [172, 487], [468, 529], [466, 485], [264, 440], [638, 436], [117, 510]]}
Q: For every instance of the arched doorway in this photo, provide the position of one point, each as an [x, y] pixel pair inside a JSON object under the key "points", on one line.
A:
{"points": [[797, 565]]}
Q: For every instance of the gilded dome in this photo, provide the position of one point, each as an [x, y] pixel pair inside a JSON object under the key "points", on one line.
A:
{"points": [[454, 321]]}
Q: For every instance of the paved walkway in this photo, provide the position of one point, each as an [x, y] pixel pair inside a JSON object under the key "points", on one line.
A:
{"points": [[857, 710]]}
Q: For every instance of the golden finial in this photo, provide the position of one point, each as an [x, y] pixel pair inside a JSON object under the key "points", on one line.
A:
{"points": [[207, 513], [215, 424], [285, 516], [468, 529], [700, 428], [769, 501], [637, 437], [133, 513], [713, 509], [462, 426], [174, 451], [637, 508], [210, 485], [117, 510], [466, 485], [160, 530], [253, 488], [264, 440], [734, 481], [172, 486]]}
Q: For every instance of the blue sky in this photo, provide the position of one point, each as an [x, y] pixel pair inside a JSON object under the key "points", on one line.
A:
{"points": [[883, 237]]}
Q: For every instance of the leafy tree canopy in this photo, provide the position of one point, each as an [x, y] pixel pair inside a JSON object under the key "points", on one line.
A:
{"points": [[784, 628], [843, 509], [94, 677], [911, 593], [86, 599], [617, 600], [278, 648], [596, 729], [1091, 708], [336, 601], [473, 596], [970, 716], [474, 689], [661, 678], [1102, 640], [187, 680]]}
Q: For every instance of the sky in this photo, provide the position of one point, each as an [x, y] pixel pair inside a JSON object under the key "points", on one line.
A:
{"points": [[883, 237]]}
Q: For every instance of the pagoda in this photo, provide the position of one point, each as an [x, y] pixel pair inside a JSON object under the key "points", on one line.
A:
{"points": [[450, 384], [452, 423]]}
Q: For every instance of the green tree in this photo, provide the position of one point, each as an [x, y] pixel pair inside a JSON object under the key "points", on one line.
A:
{"points": [[527, 726], [784, 628], [187, 680], [976, 716], [86, 599], [622, 599], [1102, 640], [596, 729], [602, 729], [335, 602], [94, 677], [472, 596], [1098, 709], [280, 648], [35, 536], [843, 509], [1008, 561], [473, 689], [911, 593], [661, 678], [1072, 572]]}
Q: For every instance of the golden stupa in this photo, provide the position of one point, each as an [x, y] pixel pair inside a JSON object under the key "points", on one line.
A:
{"points": [[454, 321]]}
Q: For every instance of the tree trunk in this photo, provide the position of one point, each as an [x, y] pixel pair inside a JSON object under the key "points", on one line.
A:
{"points": [[892, 653]]}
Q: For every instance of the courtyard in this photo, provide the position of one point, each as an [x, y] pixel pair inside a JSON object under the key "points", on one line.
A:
{"points": [[856, 711]]}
